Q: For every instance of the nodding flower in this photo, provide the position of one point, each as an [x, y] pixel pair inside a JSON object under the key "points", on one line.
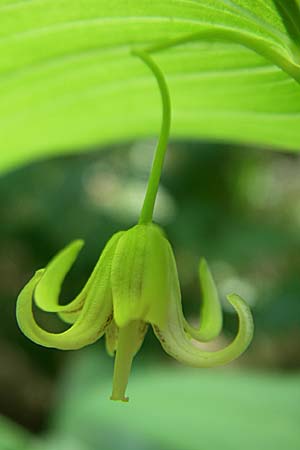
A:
{"points": [[134, 284]]}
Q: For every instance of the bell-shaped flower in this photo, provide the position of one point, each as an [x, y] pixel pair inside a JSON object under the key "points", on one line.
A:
{"points": [[134, 283]]}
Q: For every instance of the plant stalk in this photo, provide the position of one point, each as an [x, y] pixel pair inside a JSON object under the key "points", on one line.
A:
{"points": [[159, 156]]}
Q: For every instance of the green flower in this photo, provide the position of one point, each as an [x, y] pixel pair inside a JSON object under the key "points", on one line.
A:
{"points": [[134, 284]]}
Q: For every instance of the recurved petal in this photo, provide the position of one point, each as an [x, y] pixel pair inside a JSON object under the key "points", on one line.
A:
{"points": [[211, 318], [47, 291], [85, 330], [177, 343], [93, 318]]}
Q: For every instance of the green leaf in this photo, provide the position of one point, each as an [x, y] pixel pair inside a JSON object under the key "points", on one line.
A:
{"points": [[68, 81]]}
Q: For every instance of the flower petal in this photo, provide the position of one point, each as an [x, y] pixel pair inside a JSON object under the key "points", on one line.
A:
{"points": [[176, 342], [47, 291], [211, 318], [139, 276], [94, 316], [77, 336]]}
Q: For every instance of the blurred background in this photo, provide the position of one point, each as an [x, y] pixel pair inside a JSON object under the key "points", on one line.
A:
{"points": [[237, 206]]}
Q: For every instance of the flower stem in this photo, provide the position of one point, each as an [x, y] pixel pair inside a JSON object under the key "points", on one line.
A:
{"points": [[159, 156]]}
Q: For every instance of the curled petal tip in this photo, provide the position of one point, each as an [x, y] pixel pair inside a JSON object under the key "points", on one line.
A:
{"points": [[85, 331], [210, 311], [47, 291], [78, 242], [175, 338], [39, 272], [91, 310], [245, 317], [202, 263], [235, 299]]}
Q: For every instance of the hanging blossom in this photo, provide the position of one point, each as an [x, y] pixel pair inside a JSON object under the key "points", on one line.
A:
{"points": [[133, 285]]}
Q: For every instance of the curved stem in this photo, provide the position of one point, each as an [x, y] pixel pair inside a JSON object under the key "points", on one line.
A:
{"points": [[157, 165]]}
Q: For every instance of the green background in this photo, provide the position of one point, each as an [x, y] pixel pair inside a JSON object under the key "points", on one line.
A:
{"points": [[77, 112]]}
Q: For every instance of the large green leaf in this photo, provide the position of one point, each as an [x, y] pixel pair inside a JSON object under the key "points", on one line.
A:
{"points": [[68, 81]]}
